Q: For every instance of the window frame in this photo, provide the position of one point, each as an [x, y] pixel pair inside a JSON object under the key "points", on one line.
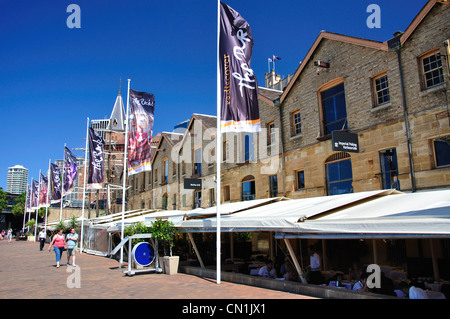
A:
{"points": [[435, 154], [294, 131], [376, 92], [322, 89], [297, 186], [424, 73]]}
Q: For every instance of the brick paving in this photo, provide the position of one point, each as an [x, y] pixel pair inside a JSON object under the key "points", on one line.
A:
{"points": [[28, 273]]}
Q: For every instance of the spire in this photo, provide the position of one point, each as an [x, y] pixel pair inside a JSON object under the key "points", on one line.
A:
{"points": [[117, 119]]}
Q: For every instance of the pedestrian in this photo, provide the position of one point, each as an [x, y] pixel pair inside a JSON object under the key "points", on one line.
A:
{"points": [[9, 235], [42, 237], [72, 239], [59, 242]]}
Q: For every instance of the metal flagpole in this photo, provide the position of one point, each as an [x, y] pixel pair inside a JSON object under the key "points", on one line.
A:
{"points": [[25, 208], [48, 191], [62, 184], [218, 152], [125, 173], [84, 185], [37, 210]]}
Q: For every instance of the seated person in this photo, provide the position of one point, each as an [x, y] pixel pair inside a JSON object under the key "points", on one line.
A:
{"points": [[403, 290], [268, 271], [361, 285]]}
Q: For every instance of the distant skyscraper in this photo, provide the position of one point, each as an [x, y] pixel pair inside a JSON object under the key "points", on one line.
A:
{"points": [[16, 182]]}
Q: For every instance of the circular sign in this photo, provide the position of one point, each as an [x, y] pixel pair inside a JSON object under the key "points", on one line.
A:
{"points": [[143, 254]]}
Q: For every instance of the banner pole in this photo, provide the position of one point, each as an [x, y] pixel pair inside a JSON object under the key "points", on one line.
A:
{"points": [[37, 210], [125, 173], [48, 190], [25, 208], [218, 152], [62, 184], [84, 185]]}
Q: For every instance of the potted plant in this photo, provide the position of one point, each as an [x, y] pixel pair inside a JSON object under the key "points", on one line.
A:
{"points": [[31, 225], [137, 228], [164, 231]]}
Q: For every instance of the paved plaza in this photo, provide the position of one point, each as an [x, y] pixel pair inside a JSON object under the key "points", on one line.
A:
{"points": [[28, 273]]}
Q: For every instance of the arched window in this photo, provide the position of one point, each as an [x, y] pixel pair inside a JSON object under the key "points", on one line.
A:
{"points": [[248, 188], [338, 168]]}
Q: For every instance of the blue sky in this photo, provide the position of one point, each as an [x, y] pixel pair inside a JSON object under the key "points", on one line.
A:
{"points": [[53, 78]]}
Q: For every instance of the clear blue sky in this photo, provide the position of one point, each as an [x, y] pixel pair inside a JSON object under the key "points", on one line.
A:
{"points": [[52, 78]]}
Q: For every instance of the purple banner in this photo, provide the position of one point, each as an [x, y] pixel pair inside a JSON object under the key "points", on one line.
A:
{"points": [[55, 183], [70, 171], [239, 87], [141, 116], [96, 160]]}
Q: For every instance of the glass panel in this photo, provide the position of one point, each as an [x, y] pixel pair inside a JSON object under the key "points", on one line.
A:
{"points": [[442, 150]]}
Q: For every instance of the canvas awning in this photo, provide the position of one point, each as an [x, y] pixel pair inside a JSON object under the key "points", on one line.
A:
{"points": [[387, 213]]}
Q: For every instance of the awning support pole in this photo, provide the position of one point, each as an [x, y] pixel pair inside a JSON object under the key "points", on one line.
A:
{"points": [[434, 259], [196, 250], [294, 259]]}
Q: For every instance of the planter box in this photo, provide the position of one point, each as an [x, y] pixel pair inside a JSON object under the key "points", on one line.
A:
{"points": [[170, 264], [31, 238]]}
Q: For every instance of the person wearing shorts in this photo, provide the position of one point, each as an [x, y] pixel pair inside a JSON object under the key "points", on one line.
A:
{"points": [[72, 239]]}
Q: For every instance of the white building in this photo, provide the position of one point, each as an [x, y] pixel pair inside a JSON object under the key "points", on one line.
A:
{"points": [[17, 179]]}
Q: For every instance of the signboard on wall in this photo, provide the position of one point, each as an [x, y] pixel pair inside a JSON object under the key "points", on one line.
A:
{"points": [[344, 141], [192, 183]]}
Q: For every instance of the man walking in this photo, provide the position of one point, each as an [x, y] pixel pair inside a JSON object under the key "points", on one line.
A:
{"points": [[42, 237]]}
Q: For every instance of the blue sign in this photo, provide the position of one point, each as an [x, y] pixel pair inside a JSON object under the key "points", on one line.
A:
{"points": [[143, 254]]}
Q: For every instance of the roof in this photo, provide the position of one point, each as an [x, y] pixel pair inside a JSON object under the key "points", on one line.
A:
{"points": [[376, 45], [269, 95]]}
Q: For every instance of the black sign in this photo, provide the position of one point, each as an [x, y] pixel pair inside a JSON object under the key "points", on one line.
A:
{"points": [[192, 183], [345, 141]]}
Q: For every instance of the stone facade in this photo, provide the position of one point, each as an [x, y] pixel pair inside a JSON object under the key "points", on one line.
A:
{"points": [[298, 161]]}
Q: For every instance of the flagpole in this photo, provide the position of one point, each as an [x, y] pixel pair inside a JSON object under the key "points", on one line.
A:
{"points": [[37, 210], [48, 189], [125, 173], [25, 208], [84, 185], [62, 184], [218, 152]]}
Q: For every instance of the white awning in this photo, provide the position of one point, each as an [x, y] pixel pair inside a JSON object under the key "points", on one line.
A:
{"points": [[283, 215]]}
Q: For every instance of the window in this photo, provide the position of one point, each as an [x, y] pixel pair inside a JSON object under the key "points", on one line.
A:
{"points": [[165, 176], [248, 188], [174, 168], [273, 182], [339, 174], [334, 110], [270, 132], [225, 150], [389, 169], [249, 148], [226, 193], [197, 162], [296, 123], [432, 69], [184, 200], [442, 151], [381, 89], [165, 200], [299, 180], [212, 197], [197, 199]]}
